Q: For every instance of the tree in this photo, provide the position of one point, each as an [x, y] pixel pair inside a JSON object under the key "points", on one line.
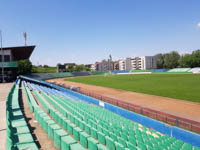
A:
{"points": [[171, 60], [79, 68], [87, 69], [70, 68], [185, 60], [160, 60], [45, 66], [24, 67], [190, 60], [195, 59]]}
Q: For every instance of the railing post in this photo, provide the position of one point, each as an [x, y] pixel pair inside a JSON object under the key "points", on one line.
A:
{"points": [[141, 111], [177, 122]]}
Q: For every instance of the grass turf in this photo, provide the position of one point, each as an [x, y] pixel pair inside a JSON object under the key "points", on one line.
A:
{"points": [[179, 86]]}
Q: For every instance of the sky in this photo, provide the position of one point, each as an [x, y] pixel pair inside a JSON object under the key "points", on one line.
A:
{"points": [[86, 31]]}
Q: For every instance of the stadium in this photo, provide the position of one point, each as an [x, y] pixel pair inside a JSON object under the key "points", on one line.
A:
{"points": [[100, 75], [67, 117], [152, 109]]}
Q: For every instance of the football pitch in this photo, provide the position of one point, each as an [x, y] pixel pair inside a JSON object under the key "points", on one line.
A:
{"points": [[179, 86]]}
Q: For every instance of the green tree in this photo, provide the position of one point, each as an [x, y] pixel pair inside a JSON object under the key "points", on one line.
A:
{"points": [[171, 60], [87, 69], [185, 60], [79, 68], [195, 60], [45, 66], [70, 68], [160, 60], [24, 67]]}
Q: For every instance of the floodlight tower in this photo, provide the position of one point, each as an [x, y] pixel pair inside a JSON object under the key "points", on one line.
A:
{"points": [[2, 57], [25, 38]]}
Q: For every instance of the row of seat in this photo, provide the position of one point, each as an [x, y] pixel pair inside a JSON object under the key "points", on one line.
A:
{"points": [[18, 133], [62, 139], [70, 127], [102, 133], [92, 124], [159, 142]]}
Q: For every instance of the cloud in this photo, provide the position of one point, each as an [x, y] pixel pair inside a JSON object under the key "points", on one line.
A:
{"points": [[198, 25]]}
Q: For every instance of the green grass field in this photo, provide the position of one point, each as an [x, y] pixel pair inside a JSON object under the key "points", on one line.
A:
{"points": [[179, 86]]}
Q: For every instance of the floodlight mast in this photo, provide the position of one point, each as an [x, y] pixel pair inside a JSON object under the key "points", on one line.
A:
{"points": [[2, 57]]}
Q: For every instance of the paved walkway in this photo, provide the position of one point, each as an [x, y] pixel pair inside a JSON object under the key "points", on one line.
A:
{"points": [[4, 89]]}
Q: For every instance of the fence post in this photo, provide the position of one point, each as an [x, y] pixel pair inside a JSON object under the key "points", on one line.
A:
{"points": [[141, 111], [177, 122]]}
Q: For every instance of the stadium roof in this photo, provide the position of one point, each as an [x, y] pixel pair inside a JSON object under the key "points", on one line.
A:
{"points": [[20, 52]]}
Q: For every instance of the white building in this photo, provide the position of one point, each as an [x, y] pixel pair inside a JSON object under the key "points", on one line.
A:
{"points": [[93, 67], [122, 64], [142, 63]]}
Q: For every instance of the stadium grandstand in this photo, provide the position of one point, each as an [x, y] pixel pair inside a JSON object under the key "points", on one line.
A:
{"points": [[99, 72], [195, 70], [77, 122], [138, 70], [9, 63], [159, 70], [119, 71], [179, 70], [81, 73], [46, 76]]}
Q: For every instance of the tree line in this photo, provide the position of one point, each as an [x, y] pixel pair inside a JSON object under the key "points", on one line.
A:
{"points": [[77, 68], [175, 60]]}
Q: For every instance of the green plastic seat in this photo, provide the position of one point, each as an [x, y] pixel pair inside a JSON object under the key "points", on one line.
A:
{"points": [[82, 125], [47, 123], [27, 146], [87, 128], [18, 123], [66, 141], [76, 133], [77, 121], [19, 130], [51, 130], [58, 134], [41, 118], [101, 138], [65, 123], [92, 144], [124, 136], [113, 136], [102, 147], [76, 147], [131, 146], [60, 119], [132, 140], [44, 119], [110, 143], [23, 138], [84, 139], [119, 146], [122, 141], [94, 133], [70, 128]]}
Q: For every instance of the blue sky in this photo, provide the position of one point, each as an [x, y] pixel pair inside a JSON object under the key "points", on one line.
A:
{"points": [[85, 31]]}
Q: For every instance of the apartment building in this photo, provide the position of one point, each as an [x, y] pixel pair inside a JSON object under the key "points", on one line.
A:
{"points": [[122, 64], [143, 62], [116, 65]]}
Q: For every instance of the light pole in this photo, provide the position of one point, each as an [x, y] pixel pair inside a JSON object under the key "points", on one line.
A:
{"points": [[2, 58]]}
